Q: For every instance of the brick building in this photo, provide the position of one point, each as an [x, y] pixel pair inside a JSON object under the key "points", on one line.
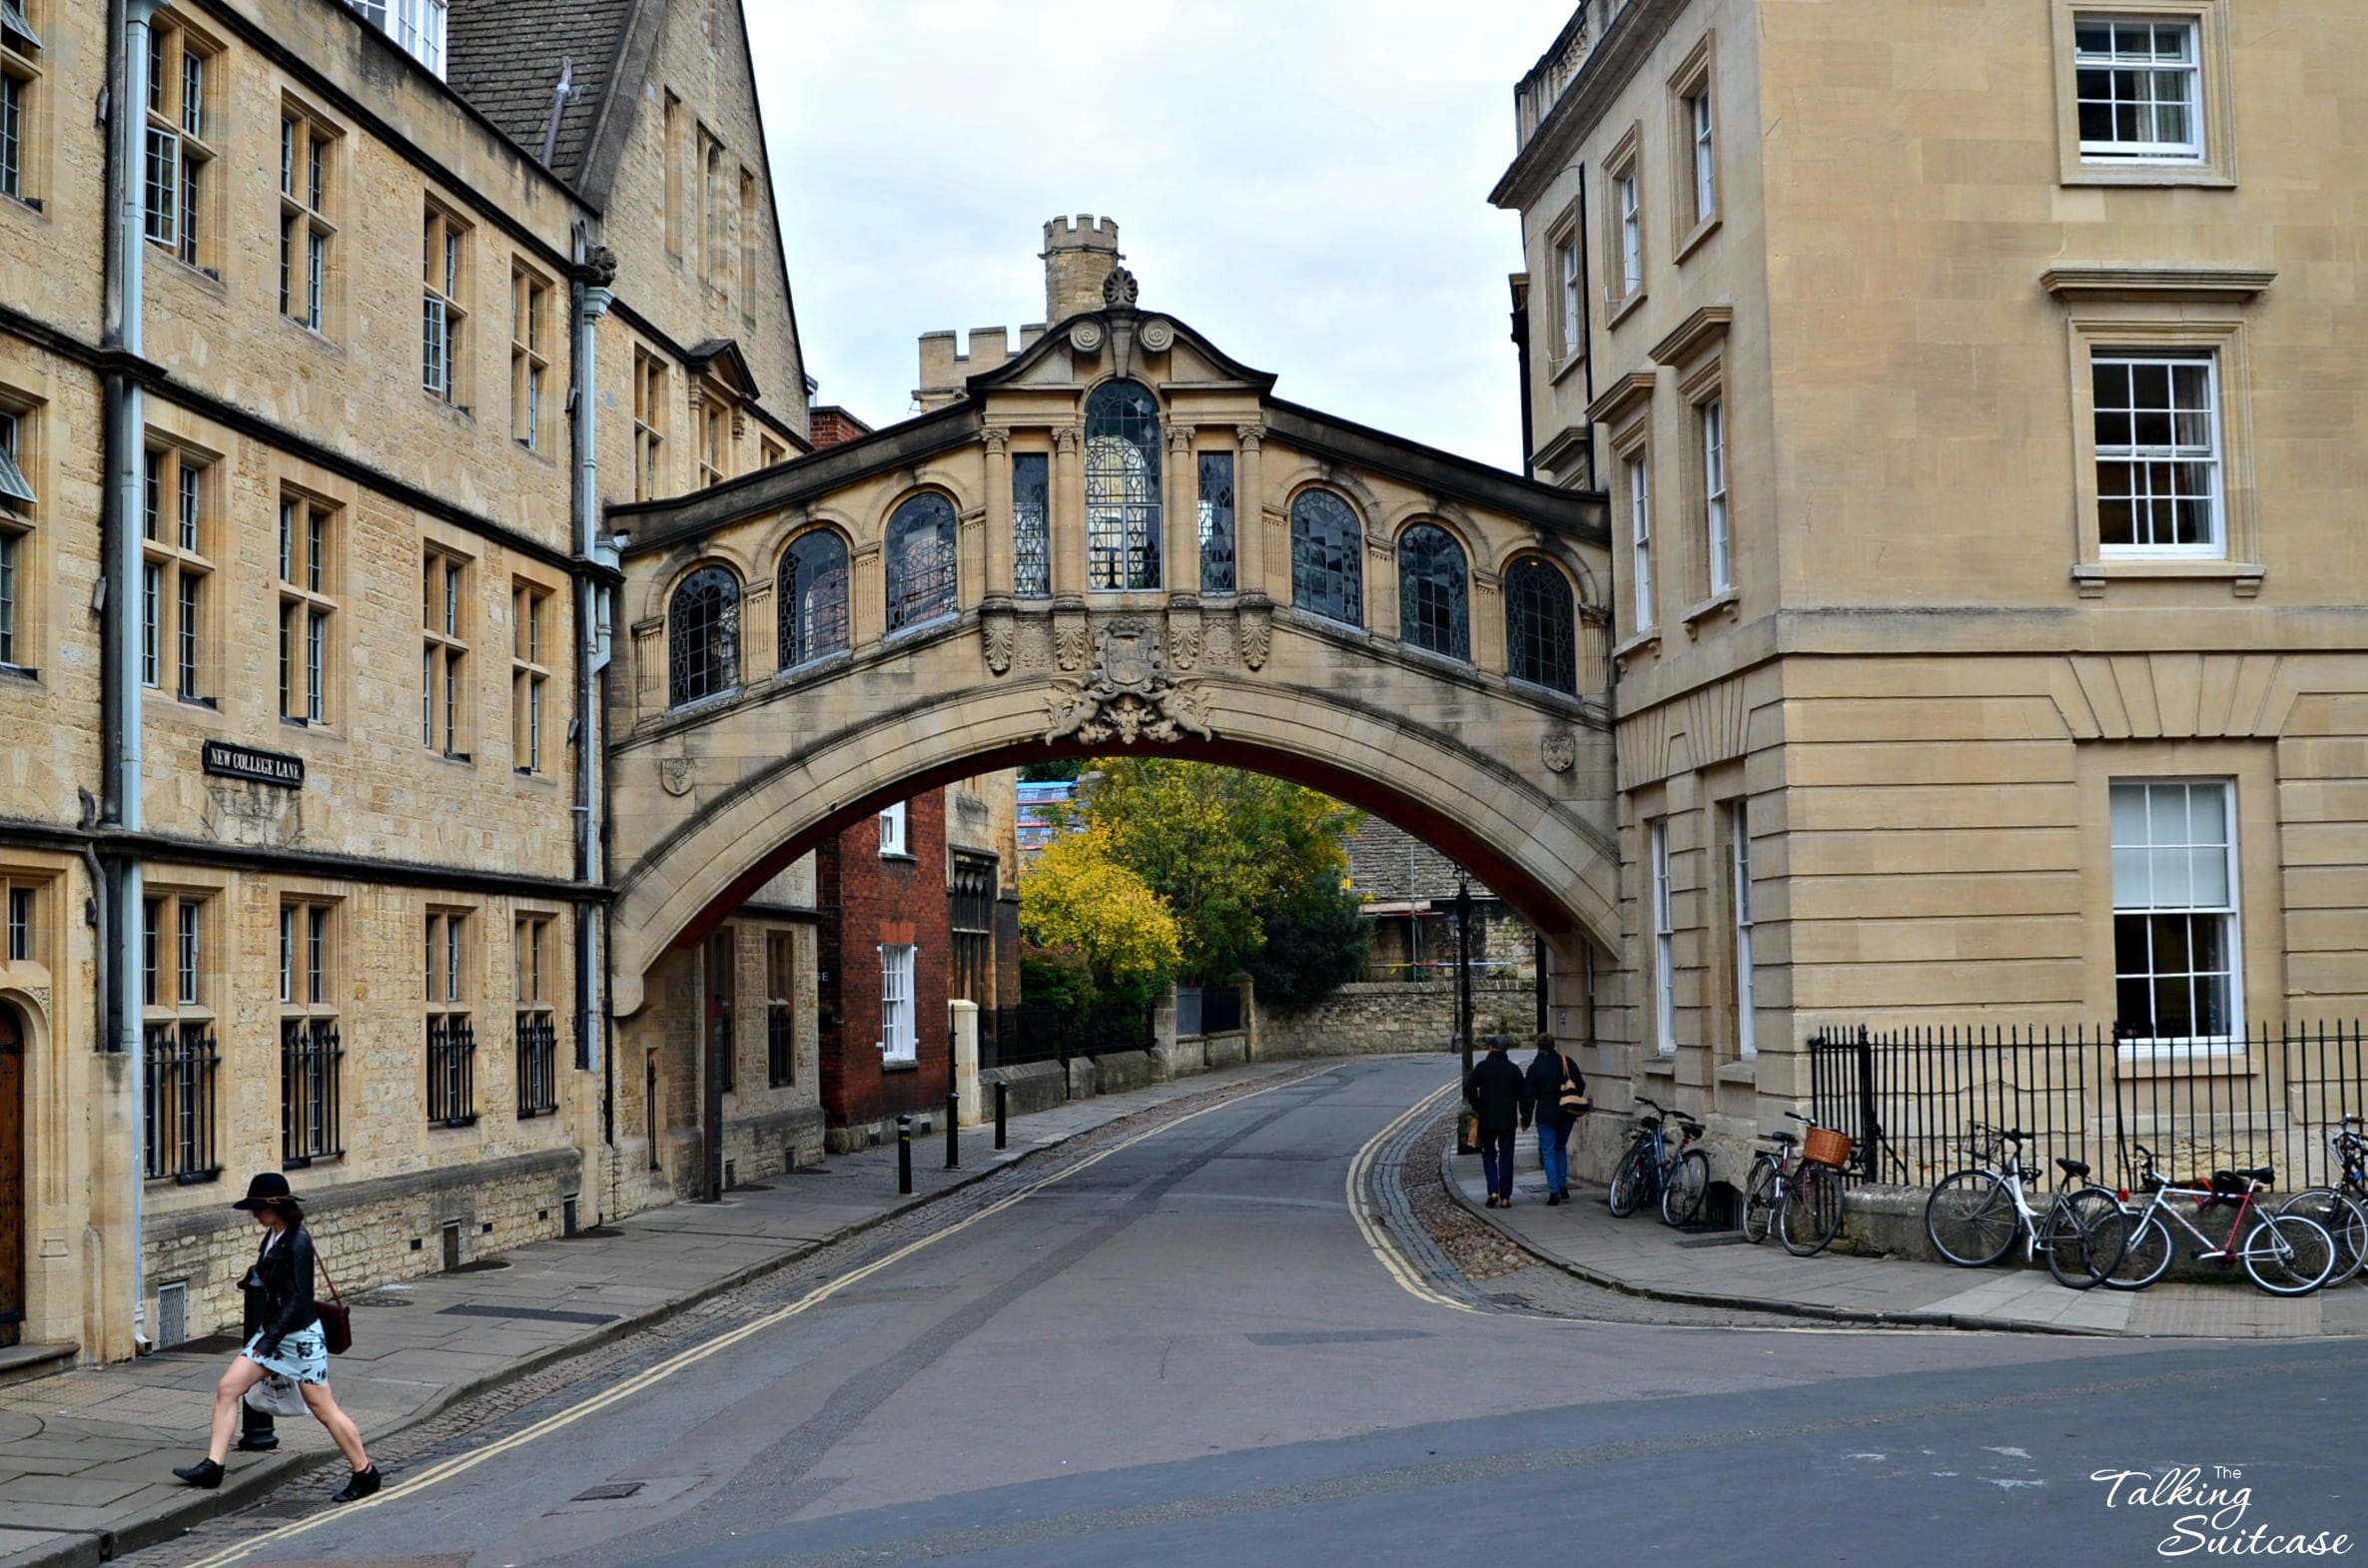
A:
{"points": [[305, 608]]}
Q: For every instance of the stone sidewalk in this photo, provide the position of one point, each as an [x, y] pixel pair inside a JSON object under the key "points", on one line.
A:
{"points": [[1641, 1257], [86, 1456]]}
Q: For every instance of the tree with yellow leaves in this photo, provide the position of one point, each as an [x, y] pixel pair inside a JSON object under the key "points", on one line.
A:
{"points": [[1080, 906]]}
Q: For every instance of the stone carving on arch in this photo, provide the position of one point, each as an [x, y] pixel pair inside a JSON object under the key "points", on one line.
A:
{"points": [[1128, 696]]}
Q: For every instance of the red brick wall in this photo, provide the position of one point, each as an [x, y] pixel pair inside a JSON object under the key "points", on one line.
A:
{"points": [[832, 425], [867, 900]]}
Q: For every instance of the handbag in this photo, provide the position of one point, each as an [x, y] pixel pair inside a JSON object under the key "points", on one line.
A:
{"points": [[1467, 1130], [1573, 1101], [336, 1323], [277, 1396]]}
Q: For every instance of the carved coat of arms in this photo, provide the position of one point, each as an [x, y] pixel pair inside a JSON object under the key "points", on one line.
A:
{"points": [[1127, 696]]}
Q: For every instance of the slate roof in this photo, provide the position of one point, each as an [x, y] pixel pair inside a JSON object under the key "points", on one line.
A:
{"points": [[1388, 863], [504, 57]]}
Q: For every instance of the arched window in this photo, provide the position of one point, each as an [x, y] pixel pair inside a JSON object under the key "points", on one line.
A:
{"points": [[1327, 558], [1122, 488], [1541, 645], [704, 635], [919, 561], [813, 597], [1434, 591]]}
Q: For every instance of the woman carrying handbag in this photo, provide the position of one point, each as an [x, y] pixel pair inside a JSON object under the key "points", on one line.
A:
{"points": [[290, 1343], [1560, 1091]]}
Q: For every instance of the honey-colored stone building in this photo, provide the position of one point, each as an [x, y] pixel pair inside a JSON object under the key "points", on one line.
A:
{"points": [[1971, 390], [306, 608]]}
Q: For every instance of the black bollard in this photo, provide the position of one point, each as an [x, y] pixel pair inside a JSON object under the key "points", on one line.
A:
{"points": [[904, 1154], [953, 1129], [1003, 1094]]}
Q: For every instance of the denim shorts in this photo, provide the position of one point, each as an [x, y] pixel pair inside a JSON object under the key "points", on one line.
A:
{"points": [[303, 1357]]}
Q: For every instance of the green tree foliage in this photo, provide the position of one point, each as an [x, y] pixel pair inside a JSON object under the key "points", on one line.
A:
{"points": [[1061, 772], [1312, 948], [1098, 930], [1229, 852]]}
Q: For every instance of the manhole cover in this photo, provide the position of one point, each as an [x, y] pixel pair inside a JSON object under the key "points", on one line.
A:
{"points": [[607, 1492]]}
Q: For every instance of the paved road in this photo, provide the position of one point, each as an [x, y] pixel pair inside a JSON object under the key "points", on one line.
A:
{"points": [[1185, 1352]]}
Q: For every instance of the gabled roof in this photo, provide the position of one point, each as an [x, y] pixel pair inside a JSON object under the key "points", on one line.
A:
{"points": [[1111, 321], [723, 358], [507, 56]]}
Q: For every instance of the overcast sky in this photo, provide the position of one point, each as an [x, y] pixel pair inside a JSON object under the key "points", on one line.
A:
{"points": [[1304, 181]]}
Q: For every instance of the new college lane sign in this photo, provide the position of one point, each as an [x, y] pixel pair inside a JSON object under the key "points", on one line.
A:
{"points": [[225, 760]]}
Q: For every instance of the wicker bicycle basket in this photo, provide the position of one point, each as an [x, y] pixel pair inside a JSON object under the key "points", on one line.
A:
{"points": [[1825, 1146]]}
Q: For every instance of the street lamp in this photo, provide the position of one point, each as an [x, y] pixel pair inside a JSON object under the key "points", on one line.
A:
{"points": [[1463, 981]]}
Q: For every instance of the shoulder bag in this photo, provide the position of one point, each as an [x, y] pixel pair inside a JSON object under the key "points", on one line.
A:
{"points": [[337, 1322], [1573, 1101]]}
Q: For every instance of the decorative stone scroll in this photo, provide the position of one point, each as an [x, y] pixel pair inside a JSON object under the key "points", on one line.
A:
{"points": [[1128, 696], [1256, 634], [999, 632]]}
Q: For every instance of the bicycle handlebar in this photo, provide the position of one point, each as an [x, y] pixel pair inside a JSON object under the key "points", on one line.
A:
{"points": [[1804, 1120], [1655, 1103]]}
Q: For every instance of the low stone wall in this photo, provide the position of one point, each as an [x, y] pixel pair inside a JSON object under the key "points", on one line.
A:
{"points": [[1380, 1017], [370, 1232]]}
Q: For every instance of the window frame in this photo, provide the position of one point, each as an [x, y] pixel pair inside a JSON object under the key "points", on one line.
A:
{"points": [[184, 230], [443, 308], [2232, 911], [1717, 529], [22, 77], [1217, 521], [529, 672], [446, 637], [810, 625], [2214, 99], [1694, 148], [450, 1008], [1624, 227], [2214, 545], [1350, 570], [1032, 526], [307, 582], [1742, 920], [1662, 909], [1411, 587], [2143, 328], [651, 376], [896, 831], [1636, 489], [21, 573], [530, 295], [724, 670], [900, 1035], [176, 557], [907, 607], [309, 192], [1125, 529], [1516, 618]]}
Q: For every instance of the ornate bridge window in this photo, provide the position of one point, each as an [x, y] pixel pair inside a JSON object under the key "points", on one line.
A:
{"points": [[1434, 591], [703, 635], [1032, 527], [1216, 522], [1541, 645], [919, 561], [1122, 488], [1327, 558], [813, 597]]}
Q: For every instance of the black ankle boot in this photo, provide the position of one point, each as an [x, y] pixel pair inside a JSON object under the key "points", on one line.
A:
{"points": [[204, 1475], [363, 1484]]}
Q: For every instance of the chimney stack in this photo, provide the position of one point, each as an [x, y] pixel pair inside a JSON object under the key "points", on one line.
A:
{"points": [[1078, 254]]}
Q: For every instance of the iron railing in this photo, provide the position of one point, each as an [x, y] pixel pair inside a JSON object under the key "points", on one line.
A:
{"points": [[312, 1058], [1911, 1097], [781, 1044], [179, 1061], [538, 1066], [451, 1071], [1036, 1033]]}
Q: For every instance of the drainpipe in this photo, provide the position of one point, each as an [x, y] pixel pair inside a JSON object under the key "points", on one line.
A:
{"points": [[597, 271], [119, 606]]}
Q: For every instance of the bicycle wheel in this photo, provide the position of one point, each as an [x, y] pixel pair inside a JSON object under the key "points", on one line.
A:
{"points": [[1970, 1218], [2145, 1252], [1811, 1213], [1759, 1200], [2344, 1221], [1631, 1181], [2082, 1238], [2286, 1254], [1686, 1189]]}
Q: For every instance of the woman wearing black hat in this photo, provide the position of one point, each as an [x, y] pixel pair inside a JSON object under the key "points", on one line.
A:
{"points": [[288, 1343]]}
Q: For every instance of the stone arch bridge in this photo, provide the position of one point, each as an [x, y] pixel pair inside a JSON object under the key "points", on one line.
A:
{"points": [[1115, 537]]}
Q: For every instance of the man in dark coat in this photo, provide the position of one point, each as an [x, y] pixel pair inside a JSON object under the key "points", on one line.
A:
{"points": [[1548, 1070], [1499, 1097]]}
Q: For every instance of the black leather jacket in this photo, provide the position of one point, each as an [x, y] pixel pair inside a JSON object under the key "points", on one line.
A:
{"points": [[280, 1289]]}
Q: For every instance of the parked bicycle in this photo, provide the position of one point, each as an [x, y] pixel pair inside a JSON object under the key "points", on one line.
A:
{"points": [[1652, 1170], [2341, 1206], [1800, 1200], [2285, 1254], [1975, 1215]]}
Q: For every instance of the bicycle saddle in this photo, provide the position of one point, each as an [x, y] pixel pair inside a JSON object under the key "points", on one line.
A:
{"points": [[1648, 1123], [1780, 1138], [2238, 1180], [2073, 1168]]}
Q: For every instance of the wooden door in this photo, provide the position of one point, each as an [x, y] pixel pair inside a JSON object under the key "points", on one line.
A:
{"points": [[12, 1176]]}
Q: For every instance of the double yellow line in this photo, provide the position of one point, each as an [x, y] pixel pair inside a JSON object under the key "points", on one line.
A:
{"points": [[438, 1474], [1401, 1268]]}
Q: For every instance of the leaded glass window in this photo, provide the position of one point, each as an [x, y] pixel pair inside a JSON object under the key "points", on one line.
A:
{"points": [[1434, 592], [1032, 527], [703, 635], [1122, 488], [919, 561], [813, 597], [1540, 642], [1216, 522], [1327, 550]]}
